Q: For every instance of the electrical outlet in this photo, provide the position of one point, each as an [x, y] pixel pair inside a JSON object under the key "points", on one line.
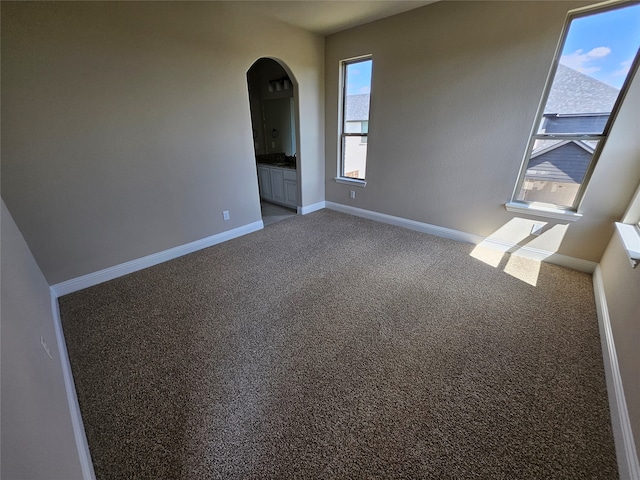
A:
{"points": [[225, 215], [352, 194], [46, 347]]}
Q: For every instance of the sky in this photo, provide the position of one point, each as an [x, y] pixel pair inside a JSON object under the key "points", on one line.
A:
{"points": [[603, 45], [359, 77]]}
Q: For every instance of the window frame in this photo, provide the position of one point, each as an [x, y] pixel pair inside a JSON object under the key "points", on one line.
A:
{"points": [[629, 230], [568, 212], [342, 135]]}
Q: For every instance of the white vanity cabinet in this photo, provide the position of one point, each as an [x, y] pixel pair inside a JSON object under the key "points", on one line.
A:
{"points": [[264, 182], [278, 184], [290, 188]]}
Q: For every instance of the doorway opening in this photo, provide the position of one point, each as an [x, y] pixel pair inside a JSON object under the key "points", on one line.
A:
{"points": [[274, 121]]}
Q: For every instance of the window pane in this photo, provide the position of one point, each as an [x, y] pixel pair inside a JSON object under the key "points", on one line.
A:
{"points": [[357, 90], [353, 127], [598, 51], [355, 157], [556, 170], [357, 84]]}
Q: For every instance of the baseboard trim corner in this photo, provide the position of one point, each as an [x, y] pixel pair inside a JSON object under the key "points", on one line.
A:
{"points": [[314, 207], [82, 445], [628, 465], [91, 279]]}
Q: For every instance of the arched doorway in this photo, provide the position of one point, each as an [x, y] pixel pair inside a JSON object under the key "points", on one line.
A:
{"points": [[274, 121]]}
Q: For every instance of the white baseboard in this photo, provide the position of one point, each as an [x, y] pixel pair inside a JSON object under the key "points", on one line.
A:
{"points": [[406, 223], [116, 271], [628, 466], [523, 251], [95, 278], [72, 398], [311, 208], [542, 255]]}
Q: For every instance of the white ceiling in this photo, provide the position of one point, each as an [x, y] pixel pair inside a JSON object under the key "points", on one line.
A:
{"points": [[329, 16]]}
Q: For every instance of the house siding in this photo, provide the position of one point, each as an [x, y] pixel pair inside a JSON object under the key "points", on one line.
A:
{"points": [[565, 164], [582, 124]]}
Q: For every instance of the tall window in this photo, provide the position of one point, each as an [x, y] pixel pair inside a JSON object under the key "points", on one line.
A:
{"points": [[596, 58], [354, 130]]}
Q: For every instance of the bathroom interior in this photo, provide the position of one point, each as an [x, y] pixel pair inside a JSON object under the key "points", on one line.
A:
{"points": [[273, 121]]}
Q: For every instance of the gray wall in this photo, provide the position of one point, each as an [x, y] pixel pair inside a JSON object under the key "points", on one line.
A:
{"points": [[621, 282], [455, 90], [622, 285], [36, 432], [609, 195], [126, 126]]}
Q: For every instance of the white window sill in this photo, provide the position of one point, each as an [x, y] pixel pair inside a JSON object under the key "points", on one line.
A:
{"points": [[543, 211], [630, 236], [351, 181]]}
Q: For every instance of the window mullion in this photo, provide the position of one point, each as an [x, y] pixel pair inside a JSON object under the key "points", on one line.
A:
{"points": [[567, 136]]}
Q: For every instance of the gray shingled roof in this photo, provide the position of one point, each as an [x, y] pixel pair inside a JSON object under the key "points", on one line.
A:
{"points": [[540, 146], [357, 108], [574, 92]]}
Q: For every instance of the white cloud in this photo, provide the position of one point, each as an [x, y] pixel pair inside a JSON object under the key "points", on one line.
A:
{"points": [[364, 90], [624, 68], [582, 61], [599, 52]]}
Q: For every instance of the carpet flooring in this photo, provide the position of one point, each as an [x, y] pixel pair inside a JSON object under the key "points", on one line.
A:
{"points": [[330, 346]]}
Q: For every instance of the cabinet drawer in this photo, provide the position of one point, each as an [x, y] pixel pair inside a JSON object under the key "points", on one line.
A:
{"points": [[290, 175]]}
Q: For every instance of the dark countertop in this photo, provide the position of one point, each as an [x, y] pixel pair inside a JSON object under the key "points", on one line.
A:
{"points": [[279, 165]]}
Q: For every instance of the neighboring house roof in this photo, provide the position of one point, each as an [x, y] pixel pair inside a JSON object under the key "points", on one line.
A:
{"points": [[543, 146], [574, 92], [587, 145], [357, 108], [565, 162]]}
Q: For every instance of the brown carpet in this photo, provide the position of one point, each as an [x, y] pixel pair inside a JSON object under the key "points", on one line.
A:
{"points": [[330, 346]]}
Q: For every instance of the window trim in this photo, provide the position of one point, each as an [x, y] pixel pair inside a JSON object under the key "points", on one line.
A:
{"points": [[543, 210], [630, 237], [342, 99], [629, 230], [568, 212], [351, 181]]}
